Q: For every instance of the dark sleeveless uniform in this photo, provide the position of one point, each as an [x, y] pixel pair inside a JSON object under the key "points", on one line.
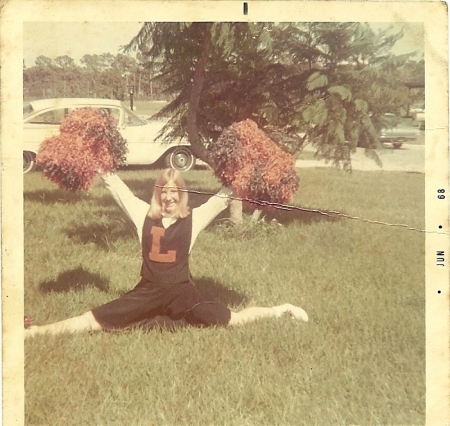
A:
{"points": [[165, 252], [165, 297]]}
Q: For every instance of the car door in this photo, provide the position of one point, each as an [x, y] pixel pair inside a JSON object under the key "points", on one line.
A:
{"points": [[141, 141], [141, 135]]}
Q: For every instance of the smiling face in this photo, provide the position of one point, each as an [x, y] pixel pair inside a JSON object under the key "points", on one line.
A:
{"points": [[170, 197]]}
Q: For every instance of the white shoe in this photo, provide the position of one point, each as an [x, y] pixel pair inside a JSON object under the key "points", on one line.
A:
{"points": [[31, 331], [294, 311]]}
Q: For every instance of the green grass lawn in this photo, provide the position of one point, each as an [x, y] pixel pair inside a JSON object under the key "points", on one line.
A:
{"points": [[360, 359], [146, 107]]}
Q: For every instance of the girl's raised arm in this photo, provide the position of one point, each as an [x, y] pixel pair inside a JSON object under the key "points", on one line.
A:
{"points": [[204, 214], [135, 208]]}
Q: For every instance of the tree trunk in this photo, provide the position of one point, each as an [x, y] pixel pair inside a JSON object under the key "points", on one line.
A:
{"points": [[236, 212], [197, 147]]}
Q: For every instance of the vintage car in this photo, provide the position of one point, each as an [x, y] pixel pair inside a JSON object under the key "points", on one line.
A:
{"points": [[395, 132], [42, 118]]}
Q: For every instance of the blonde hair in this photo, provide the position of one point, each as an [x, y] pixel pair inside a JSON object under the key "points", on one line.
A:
{"points": [[169, 175]]}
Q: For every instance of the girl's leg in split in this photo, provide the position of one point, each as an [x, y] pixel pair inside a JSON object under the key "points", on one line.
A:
{"points": [[252, 314], [85, 322]]}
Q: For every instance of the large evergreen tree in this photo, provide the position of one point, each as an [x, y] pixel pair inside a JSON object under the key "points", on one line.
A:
{"points": [[329, 82]]}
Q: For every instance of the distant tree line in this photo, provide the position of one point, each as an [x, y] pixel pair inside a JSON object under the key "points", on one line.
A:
{"points": [[99, 76]]}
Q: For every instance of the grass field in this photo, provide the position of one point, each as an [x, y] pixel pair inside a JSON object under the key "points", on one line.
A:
{"points": [[147, 107], [360, 359]]}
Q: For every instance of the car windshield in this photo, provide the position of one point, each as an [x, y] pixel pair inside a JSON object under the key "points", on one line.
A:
{"points": [[390, 120], [27, 110], [131, 119]]}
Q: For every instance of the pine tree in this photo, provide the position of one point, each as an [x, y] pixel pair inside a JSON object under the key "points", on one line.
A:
{"points": [[330, 82]]}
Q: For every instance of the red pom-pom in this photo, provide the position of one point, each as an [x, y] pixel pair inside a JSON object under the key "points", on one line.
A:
{"points": [[88, 142], [27, 321], [248, 161]]}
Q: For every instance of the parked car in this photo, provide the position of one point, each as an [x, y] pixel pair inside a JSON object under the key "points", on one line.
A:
{"points": [[395, 132], [418, 114], [42, 118]]}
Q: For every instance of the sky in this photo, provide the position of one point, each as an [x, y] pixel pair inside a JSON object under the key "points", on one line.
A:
{"points": [[76, 39]]}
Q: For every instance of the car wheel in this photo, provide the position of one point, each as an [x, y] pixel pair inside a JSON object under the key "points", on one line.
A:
{"points": [[180, 159], [29, 161]]}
